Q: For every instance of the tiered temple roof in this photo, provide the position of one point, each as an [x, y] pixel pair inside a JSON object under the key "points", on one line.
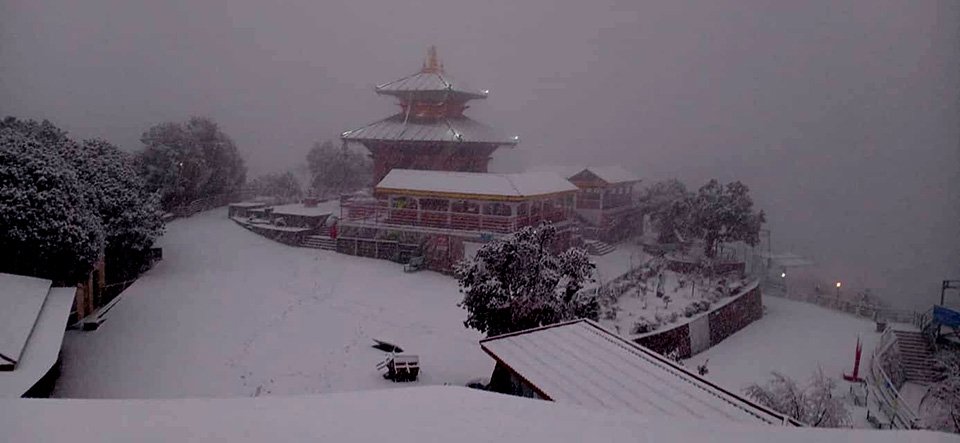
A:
{"points": [[432, 105]]}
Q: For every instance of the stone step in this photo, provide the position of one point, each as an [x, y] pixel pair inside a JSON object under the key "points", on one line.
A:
{"points": [[319, 242], [596, 247]]}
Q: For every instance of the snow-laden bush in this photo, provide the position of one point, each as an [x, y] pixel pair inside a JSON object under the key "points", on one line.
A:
{"points": [[941, 403], [644, 325], [518, 283], [48, 228], [814, 404]]}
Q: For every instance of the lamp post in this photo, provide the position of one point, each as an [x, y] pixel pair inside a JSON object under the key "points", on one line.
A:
{"points": [[838, 290], [783, 277]]}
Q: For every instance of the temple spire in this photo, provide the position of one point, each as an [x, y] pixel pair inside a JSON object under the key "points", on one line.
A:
{"points": [[432, 64]]}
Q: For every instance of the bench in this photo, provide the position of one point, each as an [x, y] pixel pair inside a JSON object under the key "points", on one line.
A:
{"points": [[415, 264], [401, 367]]}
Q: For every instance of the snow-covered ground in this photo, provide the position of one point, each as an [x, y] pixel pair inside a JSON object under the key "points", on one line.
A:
{"points": [[795, 339], [230, 313], [422, 414]]}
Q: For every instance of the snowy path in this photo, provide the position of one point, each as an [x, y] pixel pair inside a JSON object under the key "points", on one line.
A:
{"points": [[229, 313], [793, 338]]}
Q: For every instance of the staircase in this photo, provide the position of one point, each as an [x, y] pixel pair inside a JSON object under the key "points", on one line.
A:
{"points": [[320, 242], [916, 358], [596, 247]]}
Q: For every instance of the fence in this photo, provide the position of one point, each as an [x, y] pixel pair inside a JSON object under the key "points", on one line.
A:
{"points": [[861, 309], [379, 213], [901, 415], [207, 203]]}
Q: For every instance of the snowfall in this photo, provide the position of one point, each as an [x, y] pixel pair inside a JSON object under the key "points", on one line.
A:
{"points": [[228, 313]]}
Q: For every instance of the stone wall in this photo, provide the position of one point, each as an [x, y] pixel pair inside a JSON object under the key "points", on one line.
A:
{"points": [[725, 319], [735, 315]]}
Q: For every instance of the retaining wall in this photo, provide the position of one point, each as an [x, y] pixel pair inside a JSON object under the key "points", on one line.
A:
{"points": [[706, 330]]}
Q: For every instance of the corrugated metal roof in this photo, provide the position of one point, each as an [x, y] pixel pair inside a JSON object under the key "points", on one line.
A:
{"points": [[429, 82], [453, 129], [582, 363], [475, 183]]}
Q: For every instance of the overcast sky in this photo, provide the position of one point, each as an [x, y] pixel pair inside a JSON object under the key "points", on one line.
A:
{"points": [[842, 116]]}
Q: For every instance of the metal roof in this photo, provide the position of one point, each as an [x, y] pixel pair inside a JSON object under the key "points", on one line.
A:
{"points": [[430, 85], [449, 129], [515, 186], [613, 174], [21, 299], [582, 363]]}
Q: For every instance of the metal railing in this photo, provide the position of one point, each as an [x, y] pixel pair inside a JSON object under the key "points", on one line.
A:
{"points": [[898, 411]]}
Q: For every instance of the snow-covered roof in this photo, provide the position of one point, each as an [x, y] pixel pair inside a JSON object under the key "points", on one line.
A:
{"points": [[609, 174], [430, 85], [448, 129], [301, 210], [613, 174], [401, 415], [43, 346], [582, 363], [21, 299], [474, 184], [247, 204]]}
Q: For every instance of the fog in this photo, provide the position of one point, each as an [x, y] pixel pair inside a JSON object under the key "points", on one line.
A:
{"points": [[842, 116]]}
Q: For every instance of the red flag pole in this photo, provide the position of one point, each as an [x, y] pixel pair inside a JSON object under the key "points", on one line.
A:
{"points": [[856, 364]]}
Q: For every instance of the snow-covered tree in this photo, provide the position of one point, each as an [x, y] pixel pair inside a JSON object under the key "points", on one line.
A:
{"points": [[941, 403], [518, 283], [721, 214], [191, 160], [49, 228], [284, 185], [130, 215], [335, 170], [108, 189], [667, 203], [814, 404]]}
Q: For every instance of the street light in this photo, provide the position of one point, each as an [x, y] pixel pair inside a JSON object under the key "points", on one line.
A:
{"points": [[838, 289]]}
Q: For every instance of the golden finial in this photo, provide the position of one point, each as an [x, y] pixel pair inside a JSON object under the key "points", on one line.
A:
{"points": [[432, 64]]}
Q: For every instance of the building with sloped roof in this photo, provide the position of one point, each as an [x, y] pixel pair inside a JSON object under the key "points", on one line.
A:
{"points": [[33, 317], [437, 212], [606, 201], [581, 363], [430, 132]]}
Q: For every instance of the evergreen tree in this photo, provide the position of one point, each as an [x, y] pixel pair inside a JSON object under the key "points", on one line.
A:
{"points": [[667, 203], [49, 228], [283, 185], [335, 171], [187, 161], [721, 214], [517, 283]]}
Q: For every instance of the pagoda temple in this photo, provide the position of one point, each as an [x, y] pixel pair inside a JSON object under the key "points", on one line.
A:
{"points": [[430, 132]]}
